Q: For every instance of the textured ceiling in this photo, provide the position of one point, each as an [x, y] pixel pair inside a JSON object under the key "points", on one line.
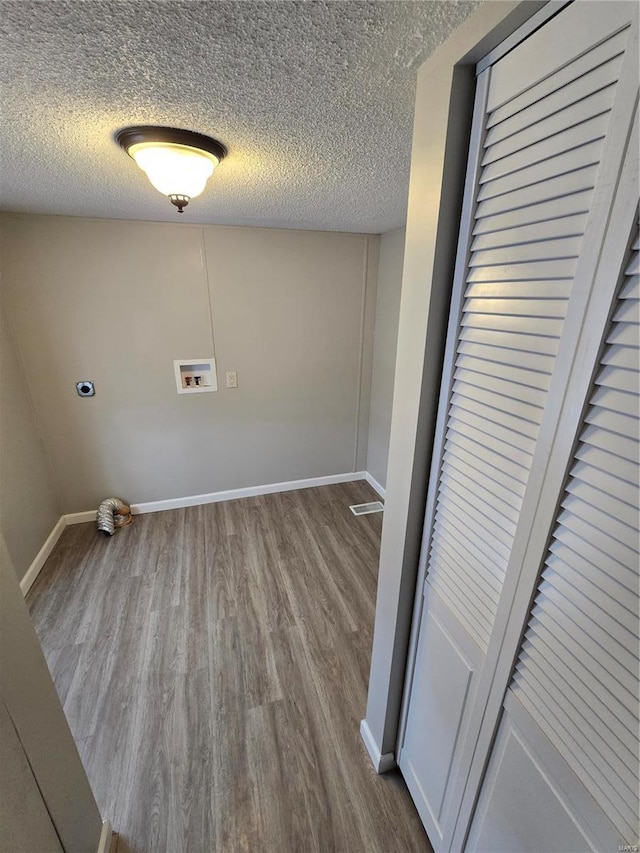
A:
{"points": [[314, 101]]}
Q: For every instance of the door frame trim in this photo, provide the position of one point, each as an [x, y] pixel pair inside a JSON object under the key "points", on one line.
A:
{"points": [[550, 10], [444, 101], [457, 301]]}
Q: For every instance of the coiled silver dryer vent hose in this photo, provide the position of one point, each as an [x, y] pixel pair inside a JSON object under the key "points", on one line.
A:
{"points": [[112, 513]]}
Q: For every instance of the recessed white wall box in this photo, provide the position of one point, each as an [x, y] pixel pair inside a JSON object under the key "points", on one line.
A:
{"points": [[195, 375]]}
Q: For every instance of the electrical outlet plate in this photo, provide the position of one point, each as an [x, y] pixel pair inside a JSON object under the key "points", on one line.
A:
{"points": [[195, 375]]}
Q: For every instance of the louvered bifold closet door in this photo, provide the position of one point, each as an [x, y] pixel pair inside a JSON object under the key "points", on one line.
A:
{"points": [[577, 672], [539, 164], [549, 134], [540, 159]]}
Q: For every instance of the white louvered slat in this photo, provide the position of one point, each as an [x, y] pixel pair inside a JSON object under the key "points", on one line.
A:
{"points": [[615, 580], [460, 578], [456, 495], [631, 288], [506, 405], [491, 415], [540, 162], [589, 581], [615, 442], [505, 355], [498, 430], [572, 182], [553, 289], [566, 206], [616, 465], [587, 551], [508, 372], [470, 473], [489, 441], [617, 401], [614, 422], [565, 670], [576, 136], [588, 618], [517, 307], [575, 70], [565, 247], [514, 475], [489, 591], [584, 724], [512, 391], [625, 335], [519, 272], [524, 325], [490, 585], [449, 591], [450, 523], [605, 482], [493, 534], [596, 676], [534, 344], [634, 265], [597, 104], [616, 507], [568, 226], [602, 517], [554, 167], [565, 96], [584, 623], [590, 763], [479, 547]]}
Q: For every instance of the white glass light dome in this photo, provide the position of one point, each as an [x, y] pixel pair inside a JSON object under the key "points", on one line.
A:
{"points": [[177, 162], [174, 169]]}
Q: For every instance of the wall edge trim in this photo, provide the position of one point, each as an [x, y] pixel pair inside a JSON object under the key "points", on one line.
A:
{"points": [[227, 495], [104, 844], [41, 557], [375, 485], [381, 763]]}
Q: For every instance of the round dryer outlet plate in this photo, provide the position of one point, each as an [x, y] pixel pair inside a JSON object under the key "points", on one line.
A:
{"points": [[85, 388]]}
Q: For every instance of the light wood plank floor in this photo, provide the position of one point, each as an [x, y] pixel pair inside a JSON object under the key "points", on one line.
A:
{"points": [[213, 663]]}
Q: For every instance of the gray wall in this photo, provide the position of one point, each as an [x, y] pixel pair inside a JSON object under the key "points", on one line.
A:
{"points": [[384, 352], [115, 302], [29, 504]]}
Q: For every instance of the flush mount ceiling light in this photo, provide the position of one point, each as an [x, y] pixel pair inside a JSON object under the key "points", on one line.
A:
{"points": [[177, 162]]}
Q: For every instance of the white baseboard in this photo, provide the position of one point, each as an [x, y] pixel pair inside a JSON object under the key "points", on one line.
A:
{"points": [[41, 557], [80, 517], [381, 763], [191, 500], [228, 495], [375, 485], [104, 845]]}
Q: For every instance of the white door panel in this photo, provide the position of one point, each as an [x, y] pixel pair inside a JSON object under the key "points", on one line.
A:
{"points": [[518, 784], [447, 663]]}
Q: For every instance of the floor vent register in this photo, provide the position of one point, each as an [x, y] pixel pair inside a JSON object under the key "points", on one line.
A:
{"points": [[365, 509]]}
